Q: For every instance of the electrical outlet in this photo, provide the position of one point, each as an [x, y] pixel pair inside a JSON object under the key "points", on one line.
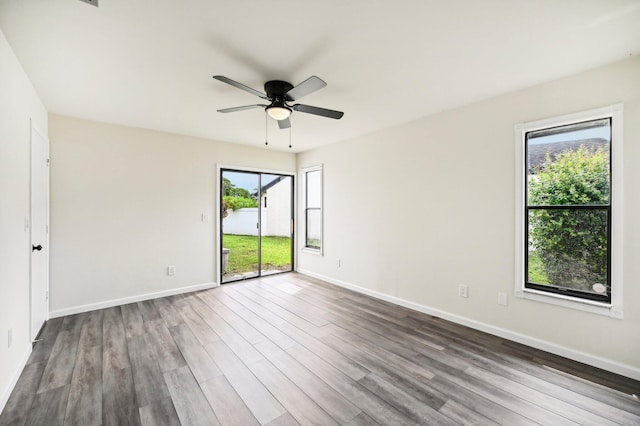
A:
{"points": [[463, 290], [502, 299], [9, 337], [171, 270]]}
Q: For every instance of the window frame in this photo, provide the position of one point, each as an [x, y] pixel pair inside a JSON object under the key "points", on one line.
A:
{"points": [[305, 209], [612, 308]]}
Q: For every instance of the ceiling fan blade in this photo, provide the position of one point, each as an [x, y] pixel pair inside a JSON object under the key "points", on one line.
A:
{"points": [[240, 86], [242, 108], [308, 86], [318, 111], [284, 124]]}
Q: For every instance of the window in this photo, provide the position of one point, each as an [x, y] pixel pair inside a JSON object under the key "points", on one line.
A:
{"points": [[313, 208], [569, 210]]}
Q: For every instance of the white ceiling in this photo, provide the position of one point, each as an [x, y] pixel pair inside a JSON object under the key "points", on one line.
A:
{"points": [[149, 63]]}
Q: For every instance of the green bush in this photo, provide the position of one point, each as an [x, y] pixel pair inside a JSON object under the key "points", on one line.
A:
{"points": [[571, 244], [235, 202], [234, 198]]}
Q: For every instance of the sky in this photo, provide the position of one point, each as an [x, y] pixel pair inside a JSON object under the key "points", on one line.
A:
{"points": [[248, 180], [602, 132]]}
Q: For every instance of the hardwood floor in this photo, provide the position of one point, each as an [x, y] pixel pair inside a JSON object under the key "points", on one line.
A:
{"points": [[288, 350]]}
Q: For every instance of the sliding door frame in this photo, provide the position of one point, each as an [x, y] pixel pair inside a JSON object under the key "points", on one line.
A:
{"points": [[218, 217]]}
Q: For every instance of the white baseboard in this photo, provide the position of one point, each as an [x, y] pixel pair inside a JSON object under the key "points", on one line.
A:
{"points": [[586, 358], [131, 299], [6, 393]]}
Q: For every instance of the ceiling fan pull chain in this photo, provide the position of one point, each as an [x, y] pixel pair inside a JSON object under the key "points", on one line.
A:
{"points": [[265, 128], [290, 127]]}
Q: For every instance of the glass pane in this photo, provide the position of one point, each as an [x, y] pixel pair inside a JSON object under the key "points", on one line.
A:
{"points": [[568, 249], [314, 189], [239, 225], [314, 228], [276, 223], [569, 165]]}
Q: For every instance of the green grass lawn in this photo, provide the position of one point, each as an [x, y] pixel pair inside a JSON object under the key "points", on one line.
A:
{"points": [[536, 271], [243, 253]]}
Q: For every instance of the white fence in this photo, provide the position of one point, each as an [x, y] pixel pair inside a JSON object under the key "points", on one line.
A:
{"points": [[245, 222]]}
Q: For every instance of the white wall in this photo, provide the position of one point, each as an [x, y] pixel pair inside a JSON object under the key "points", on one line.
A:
{"points": [[18, 104], [451, 178], [126, 203], [278, 219], [244, 221]]}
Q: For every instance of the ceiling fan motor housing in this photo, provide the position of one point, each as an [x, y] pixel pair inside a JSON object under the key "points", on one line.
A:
{"points": [[277, 90]]}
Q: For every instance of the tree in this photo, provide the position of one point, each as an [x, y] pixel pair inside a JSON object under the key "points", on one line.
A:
{"points": [[571, 243], [234, 198], [230, 190]]}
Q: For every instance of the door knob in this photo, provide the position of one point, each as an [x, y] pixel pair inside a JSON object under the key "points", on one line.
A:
{"points": [[36, 248]]}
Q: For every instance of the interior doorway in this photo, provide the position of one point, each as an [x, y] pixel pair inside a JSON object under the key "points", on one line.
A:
{"points": [[256, 224]]}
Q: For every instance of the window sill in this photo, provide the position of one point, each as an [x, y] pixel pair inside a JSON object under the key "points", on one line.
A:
{"points": [[599, 308], [317, 252]]}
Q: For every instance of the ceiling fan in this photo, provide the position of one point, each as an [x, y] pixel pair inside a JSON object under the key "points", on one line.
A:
{"points": [[280, 95]]}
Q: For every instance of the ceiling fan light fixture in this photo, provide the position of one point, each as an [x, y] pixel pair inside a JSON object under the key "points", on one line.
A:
{"points": [[279, 112]]}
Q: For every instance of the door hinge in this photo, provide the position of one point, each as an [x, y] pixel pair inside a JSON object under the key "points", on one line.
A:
{"points": [[46, 295], [48, 161], [46, 228]]}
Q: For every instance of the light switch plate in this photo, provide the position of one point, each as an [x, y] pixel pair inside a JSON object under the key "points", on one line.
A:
{"points": [[502, 299]]}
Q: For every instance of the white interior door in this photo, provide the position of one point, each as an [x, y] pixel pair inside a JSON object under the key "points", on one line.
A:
{"points": [[39, 230]]}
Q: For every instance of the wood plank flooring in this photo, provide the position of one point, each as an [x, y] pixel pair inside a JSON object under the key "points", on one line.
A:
{"points": [[289, 350]]}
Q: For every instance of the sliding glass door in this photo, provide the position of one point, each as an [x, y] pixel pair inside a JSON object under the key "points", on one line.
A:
{"points": [[276, 243], [256, 224]]}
